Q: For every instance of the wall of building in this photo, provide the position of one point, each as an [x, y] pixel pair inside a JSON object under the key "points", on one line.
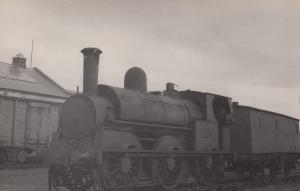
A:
{"points": [[26, 122], [6, 119]]}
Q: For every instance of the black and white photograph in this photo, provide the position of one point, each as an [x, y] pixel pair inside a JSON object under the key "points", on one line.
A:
{"points": [[149, 95]]}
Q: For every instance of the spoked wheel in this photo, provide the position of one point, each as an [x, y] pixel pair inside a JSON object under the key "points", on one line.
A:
{"points": [[257, 175], [204, 170], [276, 175], [78, 178], [21, 156], [168, 171], [197, 170], [120, 171]]}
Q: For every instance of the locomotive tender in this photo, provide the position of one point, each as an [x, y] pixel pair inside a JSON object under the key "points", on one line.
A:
{"points": [[124, 138], [264, 140]]}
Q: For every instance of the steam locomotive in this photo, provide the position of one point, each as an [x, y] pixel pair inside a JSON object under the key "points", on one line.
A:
{"points": [[125, 138]]}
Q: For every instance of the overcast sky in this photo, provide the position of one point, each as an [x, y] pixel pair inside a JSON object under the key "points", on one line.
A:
{"points": [[247, 50]]}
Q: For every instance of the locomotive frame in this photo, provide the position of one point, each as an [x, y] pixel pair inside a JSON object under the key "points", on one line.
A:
{"points": [[126, 138]]}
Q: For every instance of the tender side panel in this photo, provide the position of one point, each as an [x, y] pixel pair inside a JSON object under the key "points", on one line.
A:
{"points": [[273, 133], [240, 131], [6, 121]]}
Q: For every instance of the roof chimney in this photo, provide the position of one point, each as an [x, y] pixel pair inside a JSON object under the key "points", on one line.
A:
{"points": [[235, 103], [19, 60], [90, 69]]}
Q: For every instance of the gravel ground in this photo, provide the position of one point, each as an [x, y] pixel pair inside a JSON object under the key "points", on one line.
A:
{"points": [[23, 179], [36, 180], [290, 187]]}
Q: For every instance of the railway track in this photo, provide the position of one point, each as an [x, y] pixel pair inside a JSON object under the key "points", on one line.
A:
{"points": [[240, 185], [229, 182], [233, 184], [23, 166]]}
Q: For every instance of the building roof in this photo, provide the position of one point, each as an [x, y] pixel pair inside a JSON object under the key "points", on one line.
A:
{"points": [[30, 80], [265, 111]]}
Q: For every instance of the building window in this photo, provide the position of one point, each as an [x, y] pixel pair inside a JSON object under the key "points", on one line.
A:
{"points": [[297, 129], [258, 123], [276, 124]]}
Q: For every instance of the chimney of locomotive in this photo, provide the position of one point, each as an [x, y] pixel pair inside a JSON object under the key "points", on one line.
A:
{"points": [[90, 69]]}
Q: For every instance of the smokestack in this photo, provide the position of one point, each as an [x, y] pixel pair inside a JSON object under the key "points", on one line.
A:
{"points": [[90, 69]]}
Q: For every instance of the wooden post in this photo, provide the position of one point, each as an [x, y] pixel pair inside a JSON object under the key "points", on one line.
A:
{"points": [[12, 143], [26, 124]]}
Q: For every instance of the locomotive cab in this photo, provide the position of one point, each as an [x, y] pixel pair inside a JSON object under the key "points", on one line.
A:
{"points": [[212, 132]]}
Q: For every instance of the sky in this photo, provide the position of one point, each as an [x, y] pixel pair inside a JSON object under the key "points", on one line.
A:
{"points": [[247, 50]]}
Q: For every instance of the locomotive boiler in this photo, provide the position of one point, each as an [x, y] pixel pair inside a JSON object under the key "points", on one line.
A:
{"points": [[122, 138]]}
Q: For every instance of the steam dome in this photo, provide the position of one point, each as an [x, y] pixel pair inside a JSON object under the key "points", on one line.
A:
{"points": [[135, 79]]}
